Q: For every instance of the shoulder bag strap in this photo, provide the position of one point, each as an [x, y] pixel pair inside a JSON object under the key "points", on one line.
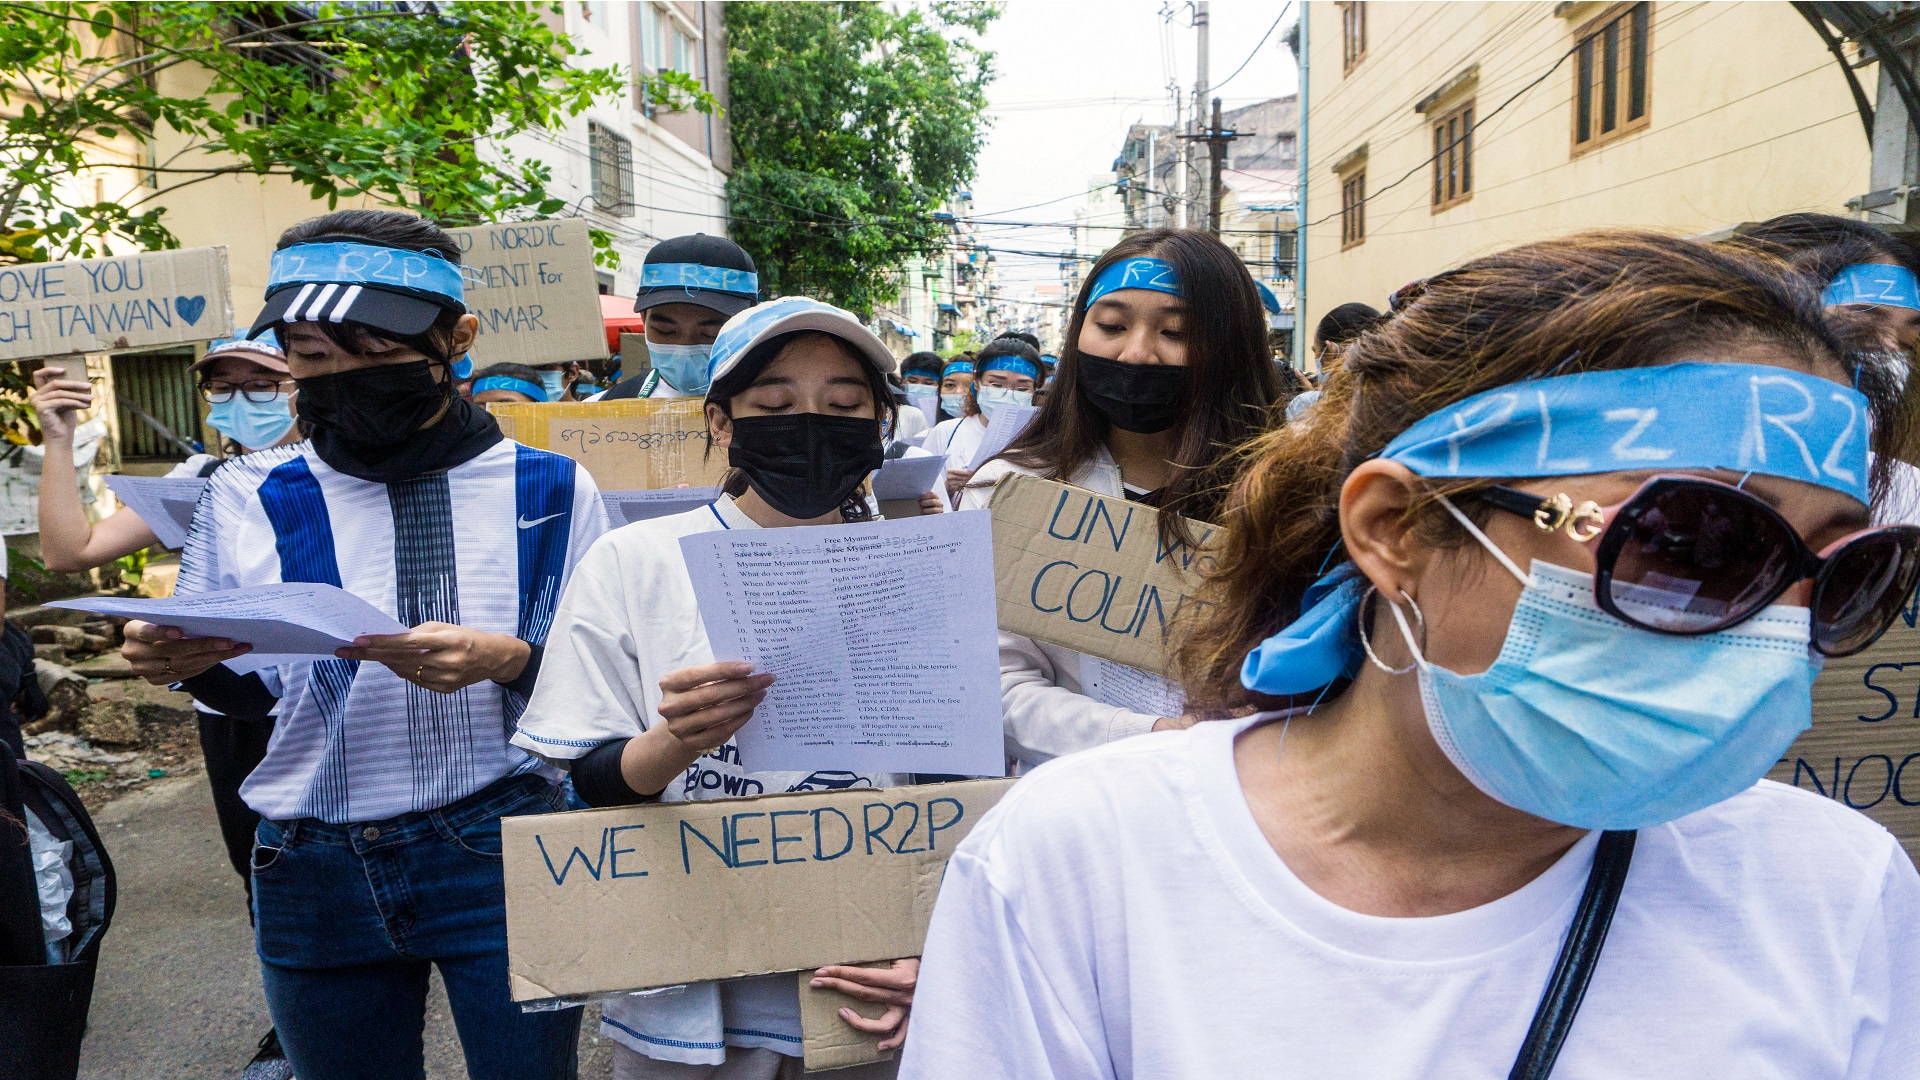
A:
{"points": [[1578, 956]]}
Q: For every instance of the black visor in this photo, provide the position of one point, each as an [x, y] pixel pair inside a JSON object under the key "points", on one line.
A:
{"points": [[377, 309]]}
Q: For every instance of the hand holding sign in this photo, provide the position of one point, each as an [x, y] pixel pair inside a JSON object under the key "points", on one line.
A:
{"points": [[56, 399]]}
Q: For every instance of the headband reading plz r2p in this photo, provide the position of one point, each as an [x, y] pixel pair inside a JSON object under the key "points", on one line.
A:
{"points": [[393, 290], [1741, 418], [1873, 283]]}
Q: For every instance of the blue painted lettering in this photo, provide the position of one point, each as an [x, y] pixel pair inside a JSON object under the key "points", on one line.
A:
{"points": [[614, 852]]}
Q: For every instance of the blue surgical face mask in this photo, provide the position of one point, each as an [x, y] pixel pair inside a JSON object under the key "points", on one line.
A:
{"points": [[463, 368], [1589, 722], [555, 381], [991, 398], [920, 392], [683, 366], [953, 404], [255, 425]]}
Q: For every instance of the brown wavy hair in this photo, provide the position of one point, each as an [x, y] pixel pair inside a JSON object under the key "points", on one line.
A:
{"points": [[1232, 394], [1590, 302]]}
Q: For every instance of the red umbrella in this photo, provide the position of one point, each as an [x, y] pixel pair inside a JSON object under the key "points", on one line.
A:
{"points": [[617, 312]]}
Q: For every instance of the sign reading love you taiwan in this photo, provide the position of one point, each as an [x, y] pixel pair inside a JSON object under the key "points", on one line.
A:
{"points": [[138, 301]]}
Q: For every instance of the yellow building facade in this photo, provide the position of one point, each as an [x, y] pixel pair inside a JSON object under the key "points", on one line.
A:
{"points": [[1441, 131]]}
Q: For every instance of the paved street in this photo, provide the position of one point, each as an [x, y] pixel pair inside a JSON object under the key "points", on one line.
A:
{"points": [[179, 990]]}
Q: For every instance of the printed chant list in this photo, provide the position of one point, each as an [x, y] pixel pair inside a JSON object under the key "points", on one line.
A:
{"points": [[866, 670]]}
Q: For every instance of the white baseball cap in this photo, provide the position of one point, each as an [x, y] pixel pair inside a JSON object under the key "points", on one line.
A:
{"points": [[763, 322]]}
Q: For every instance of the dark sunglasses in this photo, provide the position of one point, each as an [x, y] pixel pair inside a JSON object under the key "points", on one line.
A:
{"points": [[1684, 555]]}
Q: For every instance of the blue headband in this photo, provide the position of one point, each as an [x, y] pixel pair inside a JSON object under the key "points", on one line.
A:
{"points": [[508, 382], [1154, 274], [340, 263], [698, 276], [268, 343], [1019, 365], [957, 367], [1871, 283], [1737, 417]]}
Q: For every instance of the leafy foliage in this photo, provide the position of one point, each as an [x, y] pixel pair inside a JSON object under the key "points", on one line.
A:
{"points": [[348, 100], [852, 124]]}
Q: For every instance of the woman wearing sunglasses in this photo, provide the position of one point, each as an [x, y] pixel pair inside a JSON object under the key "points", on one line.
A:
{"points": [[1543, 583]]}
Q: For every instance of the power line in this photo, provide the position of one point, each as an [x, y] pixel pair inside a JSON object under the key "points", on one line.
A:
{"points": [[1214, 89]]}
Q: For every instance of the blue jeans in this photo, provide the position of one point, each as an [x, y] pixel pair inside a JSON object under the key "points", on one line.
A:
{"points": [[348, 918]]}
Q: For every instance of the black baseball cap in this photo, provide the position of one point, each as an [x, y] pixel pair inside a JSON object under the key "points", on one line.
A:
{"points": [[711, 271]]}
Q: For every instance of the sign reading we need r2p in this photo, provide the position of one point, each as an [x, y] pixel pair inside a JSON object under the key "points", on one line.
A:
{"points": [[125, 302]]}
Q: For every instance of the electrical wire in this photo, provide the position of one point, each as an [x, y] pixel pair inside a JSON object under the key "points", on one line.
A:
{"points": [[1284, 8]]}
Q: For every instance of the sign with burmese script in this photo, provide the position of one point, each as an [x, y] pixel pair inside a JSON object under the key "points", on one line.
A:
{"points": [[1864, 747], [633, 445], [532, 286], [1090, 573], [671, 893], [138, 301]]}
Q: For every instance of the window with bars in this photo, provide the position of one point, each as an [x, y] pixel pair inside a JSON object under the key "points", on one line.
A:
{"points": [[1353, 208], [1453, 157], [1353, 33], [1611, 76], [611, 171]]}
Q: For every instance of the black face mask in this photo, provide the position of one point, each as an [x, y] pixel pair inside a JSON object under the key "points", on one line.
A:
{"points": [[805, 464], [367, 422], [1143, 398]]}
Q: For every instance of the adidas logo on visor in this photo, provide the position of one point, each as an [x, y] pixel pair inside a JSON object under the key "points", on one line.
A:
{"points": [[318, 303]]}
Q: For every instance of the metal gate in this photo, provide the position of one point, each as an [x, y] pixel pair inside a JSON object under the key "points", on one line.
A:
{"points": [[158, 385]]}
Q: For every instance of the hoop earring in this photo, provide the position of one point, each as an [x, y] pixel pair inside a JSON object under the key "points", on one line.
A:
{"points": [[1420, 621]]}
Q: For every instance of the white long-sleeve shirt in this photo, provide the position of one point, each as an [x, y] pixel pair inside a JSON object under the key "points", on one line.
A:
{"points": [[1120, 914], [1043, 688]]}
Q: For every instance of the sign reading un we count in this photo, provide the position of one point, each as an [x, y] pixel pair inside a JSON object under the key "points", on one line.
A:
{"points": [[138, 301], [532, 286]]}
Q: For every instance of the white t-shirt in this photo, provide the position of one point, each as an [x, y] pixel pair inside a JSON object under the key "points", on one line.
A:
{"points": [[1120, 914], [629, 617], [959, 439], [912, 423]]}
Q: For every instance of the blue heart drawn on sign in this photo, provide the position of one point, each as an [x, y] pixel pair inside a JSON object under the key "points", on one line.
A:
{"points": [[190, 307]]}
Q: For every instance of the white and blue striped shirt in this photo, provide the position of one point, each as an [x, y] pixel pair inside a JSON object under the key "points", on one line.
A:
{"points": [[489, 544]]}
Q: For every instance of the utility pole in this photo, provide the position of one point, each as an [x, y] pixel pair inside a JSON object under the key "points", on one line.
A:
{"points": [[1202, 34], [1217, 140], [1300, 213]]}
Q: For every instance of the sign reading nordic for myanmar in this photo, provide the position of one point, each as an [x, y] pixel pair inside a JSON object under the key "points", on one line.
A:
{"points": [[137, 301], [532, 286]]}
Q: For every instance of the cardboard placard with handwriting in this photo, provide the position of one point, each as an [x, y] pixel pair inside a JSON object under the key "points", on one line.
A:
{"points": [[669, 893], [633, 445], [1866, 732], [532, 286], [137, 301], [1090, 573]]}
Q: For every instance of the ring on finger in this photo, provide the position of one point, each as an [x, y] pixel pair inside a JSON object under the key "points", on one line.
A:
{"points": [[169, 668], [417, 671]]}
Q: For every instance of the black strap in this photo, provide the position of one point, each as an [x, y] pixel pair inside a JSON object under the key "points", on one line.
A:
{"points": [[1578, 956]]}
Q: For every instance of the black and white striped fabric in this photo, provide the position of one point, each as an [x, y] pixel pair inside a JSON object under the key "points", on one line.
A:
{"points": [[489, 544]]}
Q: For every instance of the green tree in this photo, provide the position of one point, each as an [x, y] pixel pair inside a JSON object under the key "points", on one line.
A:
{"points": [[852, 124], [348, 100]]}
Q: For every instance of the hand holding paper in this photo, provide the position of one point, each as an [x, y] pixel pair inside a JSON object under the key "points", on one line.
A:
{"points": [[443, 657], [284, 623]]}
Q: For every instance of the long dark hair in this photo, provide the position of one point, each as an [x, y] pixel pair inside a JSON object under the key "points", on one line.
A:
{"points": [[736, 381], [1231, 394]]}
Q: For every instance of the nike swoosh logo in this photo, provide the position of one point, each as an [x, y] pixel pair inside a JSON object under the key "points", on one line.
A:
{"points": [[525, 524]]}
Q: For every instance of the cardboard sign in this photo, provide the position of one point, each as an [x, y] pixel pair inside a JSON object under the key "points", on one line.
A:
{"points": [[532, 285], [670, 893], [827, 1041], [1866, 732], [1089, 573], [125, 302], [628, 445]]}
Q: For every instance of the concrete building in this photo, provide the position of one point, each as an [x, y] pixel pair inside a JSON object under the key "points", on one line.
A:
{"points": [[1439, 131]]}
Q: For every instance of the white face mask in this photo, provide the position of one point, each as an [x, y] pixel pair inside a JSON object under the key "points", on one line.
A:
{"points": [[991, 398]]}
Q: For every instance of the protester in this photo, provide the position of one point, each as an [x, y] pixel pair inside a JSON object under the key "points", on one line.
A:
{"points": [[251, 395], [956, 381], [1522, 664], [382, 791], [1337, 328], [1005, 373], [689, 286], [909, 425], [508, 383], [632, 702], [920, 373], [1166, 364]]}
